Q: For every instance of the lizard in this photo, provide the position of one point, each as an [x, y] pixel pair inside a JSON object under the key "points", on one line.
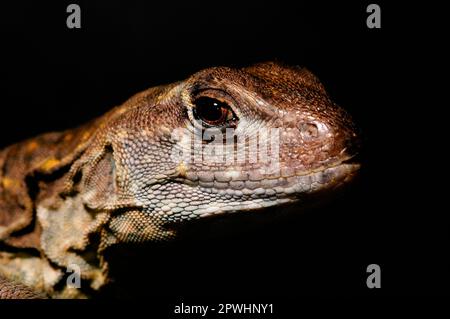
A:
{"points": [[172, 154]]}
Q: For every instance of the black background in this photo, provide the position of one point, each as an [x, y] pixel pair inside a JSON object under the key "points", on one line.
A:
{"points": [[53, 78]]}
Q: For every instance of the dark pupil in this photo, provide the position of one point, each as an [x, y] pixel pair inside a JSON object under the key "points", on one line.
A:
{"points": [[210, 110]]}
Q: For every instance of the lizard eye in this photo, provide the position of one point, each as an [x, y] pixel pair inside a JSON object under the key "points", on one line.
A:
{"points": [[213, 112]]}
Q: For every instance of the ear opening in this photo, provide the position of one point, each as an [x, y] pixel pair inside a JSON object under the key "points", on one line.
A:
{"points": [[99, 180]]}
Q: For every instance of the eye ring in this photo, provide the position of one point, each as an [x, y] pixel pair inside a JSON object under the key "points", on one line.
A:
{"points": [[213, 112]]}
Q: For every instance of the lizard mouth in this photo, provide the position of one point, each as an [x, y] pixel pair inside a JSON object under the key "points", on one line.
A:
{"points": [[241, 194], [207, 194], [248, 186]]}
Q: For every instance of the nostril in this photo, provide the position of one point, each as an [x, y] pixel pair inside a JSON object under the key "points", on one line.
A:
{"points": [[309, 131]]}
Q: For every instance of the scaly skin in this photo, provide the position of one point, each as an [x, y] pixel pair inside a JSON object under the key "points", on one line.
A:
{"points": [[135, 173]]}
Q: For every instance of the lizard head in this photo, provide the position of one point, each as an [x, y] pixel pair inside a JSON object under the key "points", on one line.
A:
{"points": [[232, 140], [223, 141]]}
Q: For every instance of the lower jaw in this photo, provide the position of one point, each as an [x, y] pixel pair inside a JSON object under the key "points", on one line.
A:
{"points": [[254, 213], [325, 179], [317, 187]]}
